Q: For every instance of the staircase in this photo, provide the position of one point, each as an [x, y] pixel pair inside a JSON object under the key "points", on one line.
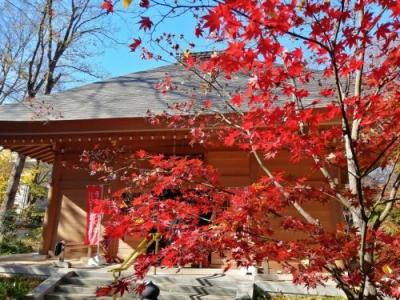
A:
{"points": [[172, 287]]}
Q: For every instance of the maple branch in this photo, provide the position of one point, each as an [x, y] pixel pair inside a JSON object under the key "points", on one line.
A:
{"points": [[352, 161], [389, 200], [389, 203], [339, 21], [241, 13], [165, 16], [291, 33], [174, 7], [167, 172], [221, 91], [337, 274], [211, 186], [295, 204], [369, 169], [383, 190], [298, 102], [263, 237]]}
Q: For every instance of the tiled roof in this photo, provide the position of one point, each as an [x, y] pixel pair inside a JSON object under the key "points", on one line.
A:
{"points": [[132, 95]]}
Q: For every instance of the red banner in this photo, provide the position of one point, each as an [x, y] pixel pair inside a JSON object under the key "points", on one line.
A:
{"points": [[93, 220]]}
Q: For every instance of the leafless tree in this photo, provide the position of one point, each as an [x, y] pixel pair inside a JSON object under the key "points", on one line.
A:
{"points": [[44, 46]]}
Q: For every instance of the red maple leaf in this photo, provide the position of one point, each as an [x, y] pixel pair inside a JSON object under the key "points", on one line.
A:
{"points": [[207, 103], [212, 21], [140, 288], [145, 23], [121, 286], [395, 291], [135, 44], [236, 100], [231, 138], [395, 7], [327, 92], [141, 153], [104, 291], [108, 6], [382, 31], [298, 53], [144, 3], [198, 31]]}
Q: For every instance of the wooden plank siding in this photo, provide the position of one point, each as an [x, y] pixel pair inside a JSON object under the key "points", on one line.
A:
{"points": [[235, 168], [62, 142]]}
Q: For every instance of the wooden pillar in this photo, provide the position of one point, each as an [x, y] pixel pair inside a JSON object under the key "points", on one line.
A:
{"points": [[52, 217]]}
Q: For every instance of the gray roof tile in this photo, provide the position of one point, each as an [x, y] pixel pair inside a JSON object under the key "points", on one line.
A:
{"points": [[126, 96]]}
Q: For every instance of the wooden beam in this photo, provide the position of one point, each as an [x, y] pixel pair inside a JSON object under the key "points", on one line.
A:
{"points": [[88, 138], [40, 152], [19, 149], [37, 149], [49, 157], [50, 223]]}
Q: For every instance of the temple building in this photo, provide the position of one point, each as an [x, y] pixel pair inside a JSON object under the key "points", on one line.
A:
{"points": [[56, 129]]}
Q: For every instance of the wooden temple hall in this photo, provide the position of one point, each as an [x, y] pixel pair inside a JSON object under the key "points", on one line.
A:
{"points": [[115, 110]]}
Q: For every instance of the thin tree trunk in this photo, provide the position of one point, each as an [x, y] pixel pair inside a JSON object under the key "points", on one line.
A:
{"points": [[35, 180], [12, 187]]}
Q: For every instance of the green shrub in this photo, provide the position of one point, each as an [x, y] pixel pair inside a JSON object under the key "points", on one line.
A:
{"points": [[14, 247], [11, 243], [17, 287]]}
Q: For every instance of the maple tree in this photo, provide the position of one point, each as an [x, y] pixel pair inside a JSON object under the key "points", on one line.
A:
{"points": [[349, 50]]}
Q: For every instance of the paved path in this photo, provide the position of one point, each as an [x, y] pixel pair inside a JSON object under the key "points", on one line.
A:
{"points": [[289, 288]]}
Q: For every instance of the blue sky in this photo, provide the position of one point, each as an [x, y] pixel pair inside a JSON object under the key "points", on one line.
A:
{"points": [[119, 60]]}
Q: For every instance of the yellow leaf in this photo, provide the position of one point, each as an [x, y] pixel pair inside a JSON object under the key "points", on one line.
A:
{"points": [[126, 3], [387, 269], [305, 262], [139, 221], [186, 53]]}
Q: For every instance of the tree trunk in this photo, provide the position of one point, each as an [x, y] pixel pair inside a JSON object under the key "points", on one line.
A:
{"points": [[12, 187], [35, 181]]}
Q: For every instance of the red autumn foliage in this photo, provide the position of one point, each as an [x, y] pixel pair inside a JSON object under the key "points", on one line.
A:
{"points": [[323, 87], [144, 3], [145, 23], [108, 6], [136, 43]]}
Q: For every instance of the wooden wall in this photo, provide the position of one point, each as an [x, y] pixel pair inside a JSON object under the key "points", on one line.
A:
{"points": [[236, 169], [71, 211]]}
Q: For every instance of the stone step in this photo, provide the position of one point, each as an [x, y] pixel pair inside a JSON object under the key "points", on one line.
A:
{"points": [[220, 281], [174, 296], [93, 273], [173, 287], [163, 272], [78, 281], [191, 289], [163, 296], [73, 289], [109, 275], [78, 296], [159, 280], [168, 288]]}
